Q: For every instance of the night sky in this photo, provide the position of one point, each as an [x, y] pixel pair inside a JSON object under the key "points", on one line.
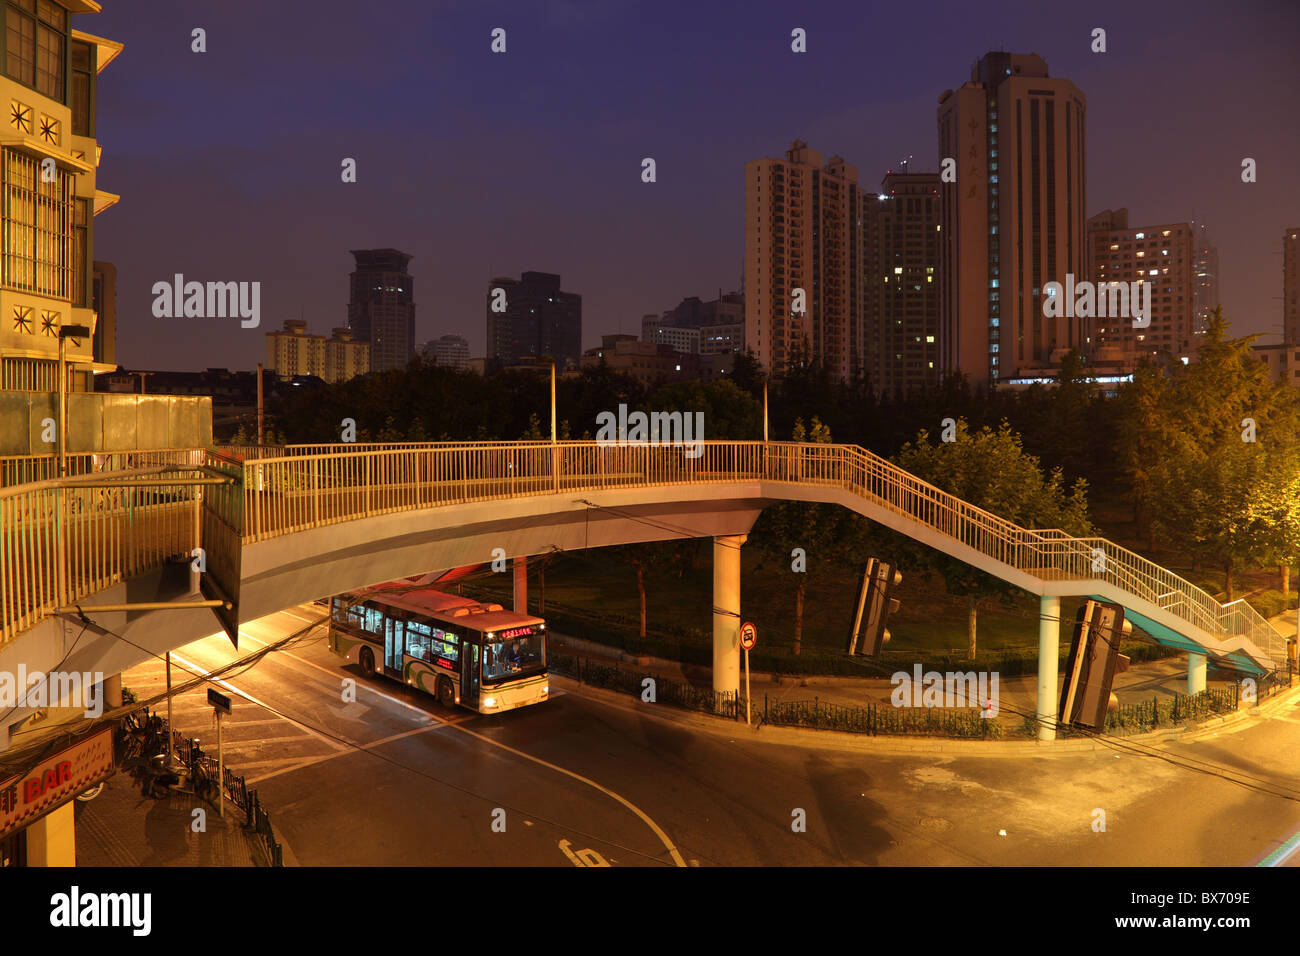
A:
{"points": [[481, 164]]}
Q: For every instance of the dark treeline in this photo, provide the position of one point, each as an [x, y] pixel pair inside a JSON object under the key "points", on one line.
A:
{"points": [[1066, 426]]}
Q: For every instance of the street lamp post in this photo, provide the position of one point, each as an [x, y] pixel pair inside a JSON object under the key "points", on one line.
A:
{"points": [[66, 332]]}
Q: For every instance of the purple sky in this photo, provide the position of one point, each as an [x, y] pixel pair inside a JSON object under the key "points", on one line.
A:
{"points": [[478, 164]]}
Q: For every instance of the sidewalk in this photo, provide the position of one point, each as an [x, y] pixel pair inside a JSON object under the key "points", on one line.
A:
{"points": [[121, 827]]}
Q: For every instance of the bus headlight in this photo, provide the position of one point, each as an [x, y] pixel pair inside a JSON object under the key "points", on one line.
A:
{"points": [[490, 702]]}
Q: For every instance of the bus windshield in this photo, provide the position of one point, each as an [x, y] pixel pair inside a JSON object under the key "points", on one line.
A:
{"points": [[513, 657]]}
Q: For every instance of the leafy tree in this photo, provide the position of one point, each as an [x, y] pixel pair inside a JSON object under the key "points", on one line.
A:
{"points": [[802, 535], [990, 470], [1211, 449]]}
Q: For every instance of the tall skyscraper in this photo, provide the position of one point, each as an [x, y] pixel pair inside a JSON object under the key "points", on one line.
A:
{"points": [[1291, 287], [381, 310], [538, 319], [1014, 218], [801, 232], [1205, 276], [900, 255], [1161, 256]]}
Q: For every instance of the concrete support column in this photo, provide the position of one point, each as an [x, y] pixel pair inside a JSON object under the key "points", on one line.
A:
{"points": [[112, 691], [52, 840], [1195, 673], [726, 612], [520, 565], [1049, 649]]}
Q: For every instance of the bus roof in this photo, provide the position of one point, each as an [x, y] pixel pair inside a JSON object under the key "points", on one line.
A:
{"points": [[449, 607]]}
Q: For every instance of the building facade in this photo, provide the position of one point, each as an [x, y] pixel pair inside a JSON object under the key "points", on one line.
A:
{"points": [[1205, 275], [294, 352], [648, 362], [450, 351], [1013, 220], [900, 256], [381, 310], [720, 323], [531, 317], [1283, 361], [345, 357], [1162, 256], [686, 341], [49, 163], [801, 234]]}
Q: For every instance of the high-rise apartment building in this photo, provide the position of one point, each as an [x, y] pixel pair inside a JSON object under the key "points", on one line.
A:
{"points": [[450, 351], [294, 351], [345, 357], [381, 311], [1291, 286], [1161, 256], [1205, 276], [901, 290], [1013, 220], [801, 233], [534, 319], [49, 162]]}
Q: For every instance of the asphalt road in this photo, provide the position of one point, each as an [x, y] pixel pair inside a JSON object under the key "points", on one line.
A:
{"points": [[393, 778]]}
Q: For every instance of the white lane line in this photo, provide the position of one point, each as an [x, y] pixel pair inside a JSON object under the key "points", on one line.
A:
{"points": [[360, 686], [249, 697], [658, 831], [315, 760]]}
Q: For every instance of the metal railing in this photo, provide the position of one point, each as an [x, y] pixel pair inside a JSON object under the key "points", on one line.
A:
{"points": [[63, 540], [311, 486]]}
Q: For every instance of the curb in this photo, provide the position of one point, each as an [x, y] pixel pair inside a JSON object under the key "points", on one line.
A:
{"points": [[865, 743]]}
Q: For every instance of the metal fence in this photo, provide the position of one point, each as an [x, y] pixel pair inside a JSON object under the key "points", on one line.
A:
{"points": [[200, 764], [674, 693]]}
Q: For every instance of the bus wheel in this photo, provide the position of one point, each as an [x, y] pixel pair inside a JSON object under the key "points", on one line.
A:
{"points": [[446, 693], [367, 659]]}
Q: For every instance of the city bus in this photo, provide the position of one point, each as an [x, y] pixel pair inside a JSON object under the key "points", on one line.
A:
{"points": [[464, 652]]}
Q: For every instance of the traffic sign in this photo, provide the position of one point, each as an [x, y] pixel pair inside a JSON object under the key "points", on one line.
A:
{"points": [[219, 701], [748, 635]]}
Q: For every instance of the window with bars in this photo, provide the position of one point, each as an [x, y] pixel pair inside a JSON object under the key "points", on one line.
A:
{"points": [[36, 36], [38, 224]]}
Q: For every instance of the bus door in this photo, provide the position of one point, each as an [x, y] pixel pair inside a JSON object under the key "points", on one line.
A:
{"points": [[469, 671], [393, 638]]}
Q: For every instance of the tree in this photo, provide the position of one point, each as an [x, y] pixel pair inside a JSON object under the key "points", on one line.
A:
{"points": [[990, 470], [801, 534], [1212, 453]]}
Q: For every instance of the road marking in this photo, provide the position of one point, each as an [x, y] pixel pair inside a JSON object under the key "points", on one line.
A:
{"points": [[585, 857], [663, 837], [249, 697], [1284, 852], [335, 674]]}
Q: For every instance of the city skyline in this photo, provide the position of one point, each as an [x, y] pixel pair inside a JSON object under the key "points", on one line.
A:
{"points": [[562, 160]]}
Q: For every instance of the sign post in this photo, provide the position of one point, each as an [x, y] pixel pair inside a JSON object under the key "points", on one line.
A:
{"points": [[221, 707], [748, 638]]}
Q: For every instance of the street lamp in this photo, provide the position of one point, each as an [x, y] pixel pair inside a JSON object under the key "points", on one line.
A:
{"points": [[66, 332]]}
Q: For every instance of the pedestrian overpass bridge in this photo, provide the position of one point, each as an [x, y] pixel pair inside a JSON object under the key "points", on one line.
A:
{"points": [[279, 526]]}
